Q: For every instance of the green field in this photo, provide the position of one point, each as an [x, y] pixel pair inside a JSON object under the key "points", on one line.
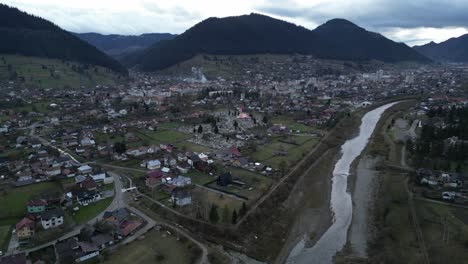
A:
{"points": [[156, 247], [434, 219], [295, 126], [13, 202], [189, 146], [5, 234], [199, 177], [88, 212], [208, 198], [52, 73], [259, 183], [294, 153], [161, 136]]}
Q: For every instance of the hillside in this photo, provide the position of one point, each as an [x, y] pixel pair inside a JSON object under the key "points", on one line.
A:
{"points": [[29, 35], [344, 40], [452, 50], [53, 73], [118, 46], [259, 34], [248, 34]]}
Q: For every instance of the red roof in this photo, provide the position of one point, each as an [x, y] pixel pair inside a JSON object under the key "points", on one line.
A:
{"points": [[25, 222], [128, 227], [37, 202], [155, 174], [88, 183], [235, 151]]}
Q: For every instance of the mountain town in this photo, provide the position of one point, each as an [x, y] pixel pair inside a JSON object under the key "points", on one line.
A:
{"points": [[245, 139]]}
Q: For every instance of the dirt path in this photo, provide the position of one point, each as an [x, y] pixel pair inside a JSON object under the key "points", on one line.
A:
{"points": [[283, 179]]}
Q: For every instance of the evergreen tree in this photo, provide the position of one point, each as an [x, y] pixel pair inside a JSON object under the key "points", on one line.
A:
{"points": [[120, 147], [214, 217], [200, 129], [225, 215], [234, 217], [243, 209]]}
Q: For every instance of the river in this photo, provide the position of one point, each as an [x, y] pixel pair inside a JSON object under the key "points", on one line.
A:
{"points": [[335, 237]]}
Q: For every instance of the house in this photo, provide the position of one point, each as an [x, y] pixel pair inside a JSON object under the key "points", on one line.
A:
{"points": [[179, 181], [101, 241], [183, 167], [35, 143], [86, 142], [102, 177], [203, 157], [165, 170], [53, 170], [52, 218], [88, 184], [87, 197], [68, 250], [181, 157], [15, 259], [88, 251], [85, 169], [234, 151], [79, 179], [153, 165], [36, 206], [193, 160], [181, 197], [116, 217], [25, 228], [153, 178], [98, 177], [224, 179], [127, 227]]}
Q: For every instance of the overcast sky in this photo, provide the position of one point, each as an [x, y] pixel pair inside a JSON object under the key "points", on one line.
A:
{"points": [[410, 21]]}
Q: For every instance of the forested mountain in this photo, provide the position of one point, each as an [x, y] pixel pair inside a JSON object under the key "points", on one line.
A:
{"points": [[452, 50], [259, 34], [28, 35], [341, 39], [120, 45], [248, 34]]}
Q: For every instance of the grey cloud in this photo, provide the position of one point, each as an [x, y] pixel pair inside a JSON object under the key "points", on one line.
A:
{"points": [[380, 13]]}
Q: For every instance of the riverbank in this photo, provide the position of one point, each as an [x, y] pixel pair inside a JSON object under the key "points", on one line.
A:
{"points": [[334, 237], [364, 185]]}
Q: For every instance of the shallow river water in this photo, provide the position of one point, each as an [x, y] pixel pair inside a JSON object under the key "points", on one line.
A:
{"points": [[335, 237]]}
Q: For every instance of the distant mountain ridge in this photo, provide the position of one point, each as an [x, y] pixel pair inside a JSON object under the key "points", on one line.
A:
{"points": [[121, 45], [249, 34], [28, 35], [452, 50]]}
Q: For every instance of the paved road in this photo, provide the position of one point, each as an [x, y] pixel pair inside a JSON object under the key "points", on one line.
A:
{"points": [[118, 201], [204, 257], [64, 151]]}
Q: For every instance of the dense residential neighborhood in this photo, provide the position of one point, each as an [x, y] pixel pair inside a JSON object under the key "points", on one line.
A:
{"points": [[243, 139]]}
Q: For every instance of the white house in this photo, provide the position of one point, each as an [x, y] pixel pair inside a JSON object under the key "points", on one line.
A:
{"points": [[52, 218], [102, 177], [181, 197], [203, 156], [153, 164], [53, 170], [179, 181], [87, 197], [87, 142], [85, 169]]}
